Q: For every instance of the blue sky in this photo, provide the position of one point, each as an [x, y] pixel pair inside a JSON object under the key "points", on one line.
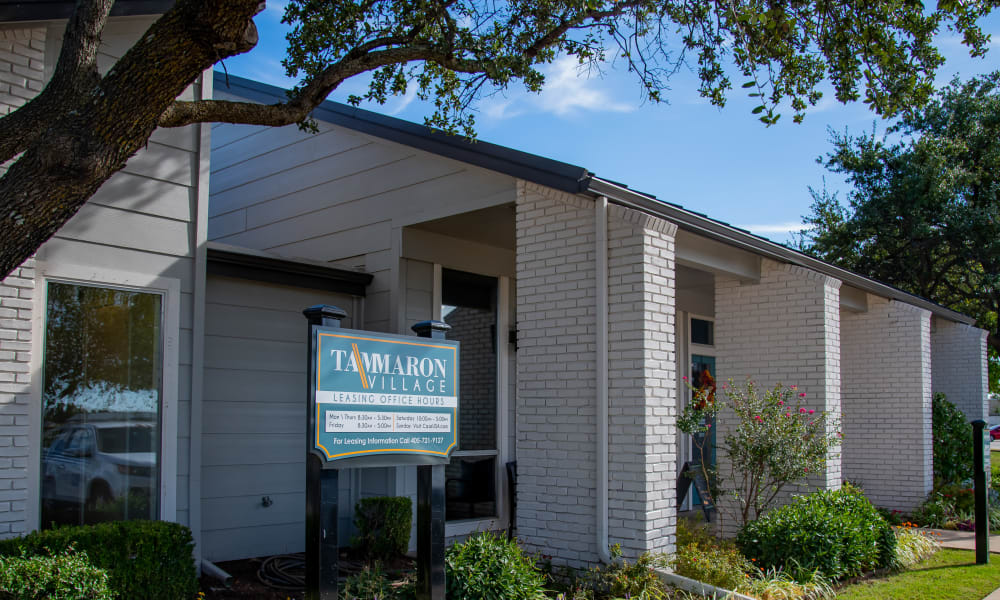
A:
{"points": [[720, 162]]}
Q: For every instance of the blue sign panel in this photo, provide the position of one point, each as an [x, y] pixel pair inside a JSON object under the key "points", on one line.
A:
{"points": [[380, 394]]}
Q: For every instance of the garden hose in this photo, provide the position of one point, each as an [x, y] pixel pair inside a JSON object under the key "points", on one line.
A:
{"points": [[283, 572], [287, 572]]}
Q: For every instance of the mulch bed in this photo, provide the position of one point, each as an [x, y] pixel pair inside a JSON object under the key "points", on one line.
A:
{"points": [[246, 584]]}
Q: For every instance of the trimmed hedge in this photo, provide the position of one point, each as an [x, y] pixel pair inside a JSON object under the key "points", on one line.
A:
{"points": [[66, 576], [149, 560], [837, 533], [383, 526]]}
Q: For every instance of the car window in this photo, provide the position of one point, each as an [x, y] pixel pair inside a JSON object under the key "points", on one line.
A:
{"points": [[125, 438]]}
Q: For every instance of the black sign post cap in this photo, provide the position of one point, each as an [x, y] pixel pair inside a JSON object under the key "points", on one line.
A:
{"points": [[431, 329], [325, 314]]}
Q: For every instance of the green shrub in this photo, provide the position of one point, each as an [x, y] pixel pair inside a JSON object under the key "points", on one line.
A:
{"points": [[948, 507], [383, 527], [371, 583], [144, 559], [489, 567], [834, 533], [66, 576], [635, 581], [704, 558], [952, 442]]}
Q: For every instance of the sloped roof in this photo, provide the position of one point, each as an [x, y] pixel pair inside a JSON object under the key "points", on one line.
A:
{"points": [[572, 179], [45, 10]]}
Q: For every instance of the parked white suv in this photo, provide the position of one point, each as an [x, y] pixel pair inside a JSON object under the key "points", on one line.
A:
{"points": [[95, 462]]}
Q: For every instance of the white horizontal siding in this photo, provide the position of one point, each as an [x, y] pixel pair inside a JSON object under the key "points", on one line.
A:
{"points": [[253, 417]]}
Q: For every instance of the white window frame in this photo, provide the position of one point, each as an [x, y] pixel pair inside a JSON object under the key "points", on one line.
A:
{"points": [[690, 349], [170, 290]]}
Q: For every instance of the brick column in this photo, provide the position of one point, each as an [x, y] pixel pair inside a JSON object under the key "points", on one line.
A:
{"points": [[887, 402], [556, 379], [642, 382], [784, 328], [958, 363], [15, 382]]}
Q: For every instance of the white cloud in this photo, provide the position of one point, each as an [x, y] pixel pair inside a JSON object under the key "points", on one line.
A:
{"points": [[568, 91], [399, 104], [771, 228]]}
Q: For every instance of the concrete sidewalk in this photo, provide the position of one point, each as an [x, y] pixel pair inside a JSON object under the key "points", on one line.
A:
{"points": [[962, 540]]}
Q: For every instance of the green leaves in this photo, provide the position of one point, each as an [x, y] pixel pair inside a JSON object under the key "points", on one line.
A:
{"points": [[458, 51], [923, 213]]}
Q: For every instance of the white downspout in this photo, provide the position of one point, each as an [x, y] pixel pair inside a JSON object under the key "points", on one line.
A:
{"points": [[601, 222]]}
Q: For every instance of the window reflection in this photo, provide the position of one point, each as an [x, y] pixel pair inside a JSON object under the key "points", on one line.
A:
{"points": [[100, 405], [470, 307]]}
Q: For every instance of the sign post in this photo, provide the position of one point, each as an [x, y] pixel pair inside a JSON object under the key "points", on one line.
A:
{"points": [[430, 506], [980, 478], [377, 400], [322, 568]]}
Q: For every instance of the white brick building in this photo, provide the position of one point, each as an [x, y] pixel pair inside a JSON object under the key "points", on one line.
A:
{"points": [[583, 305]]}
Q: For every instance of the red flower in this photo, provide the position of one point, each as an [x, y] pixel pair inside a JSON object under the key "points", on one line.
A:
{"points": [[802, 410]]}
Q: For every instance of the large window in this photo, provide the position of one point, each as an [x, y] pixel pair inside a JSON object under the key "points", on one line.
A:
{"points": [[100, 405], [469, 305]]}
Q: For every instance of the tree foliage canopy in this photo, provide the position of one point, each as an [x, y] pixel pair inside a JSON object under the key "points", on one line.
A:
{"points": [[84, 126], [924, 211]]}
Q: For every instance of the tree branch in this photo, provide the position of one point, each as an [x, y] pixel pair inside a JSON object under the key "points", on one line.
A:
{"points": [[96, 136], [75, 71]]}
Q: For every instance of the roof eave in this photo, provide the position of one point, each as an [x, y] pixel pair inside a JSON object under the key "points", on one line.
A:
{"points": [[732, 236], [25, 11]]}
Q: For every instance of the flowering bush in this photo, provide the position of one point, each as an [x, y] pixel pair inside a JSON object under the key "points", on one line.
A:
{"points": [[777, 441]]}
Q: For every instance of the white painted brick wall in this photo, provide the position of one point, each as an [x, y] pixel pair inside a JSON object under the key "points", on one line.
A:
{"points": [[959, 370], [15, 381], [22, 58], [783, 329], [887, 402], [556, 394]]}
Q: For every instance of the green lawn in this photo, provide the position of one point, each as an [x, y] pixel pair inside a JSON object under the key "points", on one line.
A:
{"points": [[948, 575], [995, 460]]}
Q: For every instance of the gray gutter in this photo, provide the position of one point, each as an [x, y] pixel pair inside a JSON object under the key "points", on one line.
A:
{"points": [[732, 236], [47, 10]]}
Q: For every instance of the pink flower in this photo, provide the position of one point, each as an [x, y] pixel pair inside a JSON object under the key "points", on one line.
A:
{"points": [[759, 418], [788, 414], [794, 387], [684, 378], [781, 402], [811, 411], [802, 394], [708, 426], [802, 410], [807, 469]]}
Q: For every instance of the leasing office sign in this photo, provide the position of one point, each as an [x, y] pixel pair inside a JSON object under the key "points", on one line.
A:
{"points": [[378, 395]]}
